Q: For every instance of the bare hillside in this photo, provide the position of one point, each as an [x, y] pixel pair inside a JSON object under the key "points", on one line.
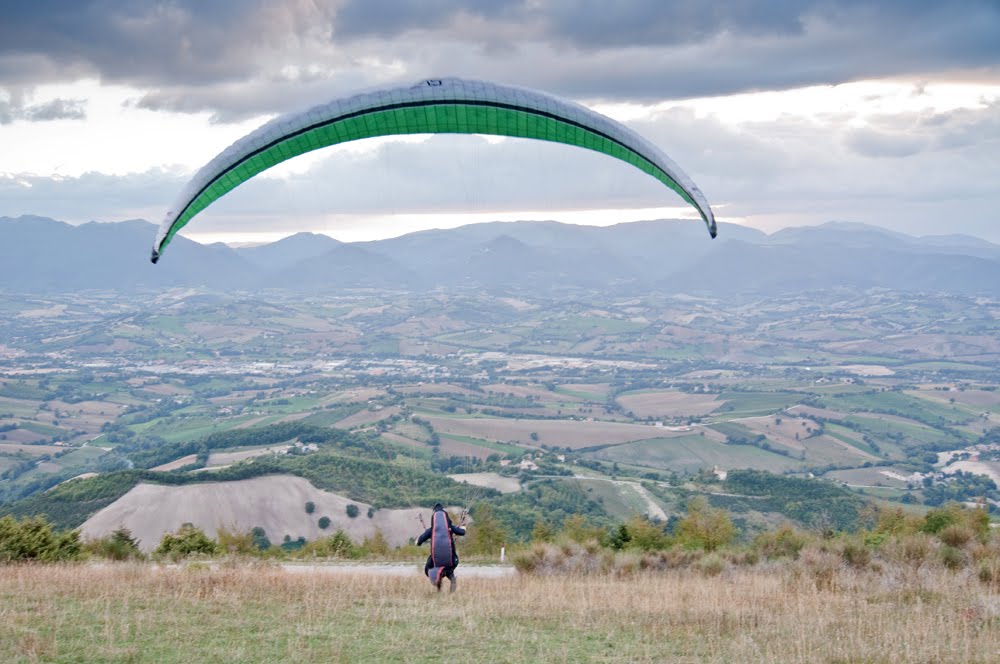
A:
{"points": [[276, 503]]}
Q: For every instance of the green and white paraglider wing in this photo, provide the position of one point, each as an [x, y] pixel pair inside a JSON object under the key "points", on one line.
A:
{"points": [[435, 106]]}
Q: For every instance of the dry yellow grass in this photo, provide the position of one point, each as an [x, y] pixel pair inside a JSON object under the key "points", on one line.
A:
{"points": [[139, 613]]}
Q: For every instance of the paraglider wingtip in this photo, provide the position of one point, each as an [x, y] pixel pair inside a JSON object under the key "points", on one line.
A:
{"points": [[154, 257], [712, 231]]}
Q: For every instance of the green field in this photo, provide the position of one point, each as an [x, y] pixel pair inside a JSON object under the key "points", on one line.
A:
{"points": [[904, 405], [689, 454], [750, 404]]}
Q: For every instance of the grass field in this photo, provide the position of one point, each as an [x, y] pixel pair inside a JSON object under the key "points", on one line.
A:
{"points": [[667, 403], [126, 613], [693, 453], [559, 433]]}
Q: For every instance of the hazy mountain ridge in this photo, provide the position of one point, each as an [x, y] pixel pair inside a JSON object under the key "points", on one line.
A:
{"points": [[45, 255]]}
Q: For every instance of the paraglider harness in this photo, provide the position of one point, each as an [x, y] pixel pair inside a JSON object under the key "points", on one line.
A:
{"points": [[443, 559]]}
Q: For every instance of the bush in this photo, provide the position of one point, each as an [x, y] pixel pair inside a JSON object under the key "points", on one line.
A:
{"points": [[942, 517], [575, 528], [353, 510], [821, 566], [487, 534], [119, 545], [705, 527], [711, 565], [310, 507], [375, 545], [260, 539], [989, 572], [785, 542], [956, 535], [644, 535], [338, 545], [186, 541], [324, 522], [33, 539], [952, 558], [236, 543], [856, 553]]}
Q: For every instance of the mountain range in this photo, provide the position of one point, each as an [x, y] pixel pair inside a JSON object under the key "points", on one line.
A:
{"points": [[38, 254]]}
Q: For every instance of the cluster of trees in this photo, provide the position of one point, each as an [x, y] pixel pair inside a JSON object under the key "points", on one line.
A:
{"points": [[805, 501], [759, 441], [959, 487], [33, 539]]}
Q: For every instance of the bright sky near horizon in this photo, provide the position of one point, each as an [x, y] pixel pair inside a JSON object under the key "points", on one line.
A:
{"points": [[784, 113]]}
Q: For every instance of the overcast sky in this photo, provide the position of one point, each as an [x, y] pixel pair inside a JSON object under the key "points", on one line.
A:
{"points": [[784, 112]]}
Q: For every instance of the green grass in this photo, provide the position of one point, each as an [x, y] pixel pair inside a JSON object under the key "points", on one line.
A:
{"points": [[915, 432], [733, 429], [572, 327], [172, 325], [844, 435], [906, 405], [620, 501], [693, 453], [749, 404], [580, 394], [503, 448], [42, 429], [943, 366]]}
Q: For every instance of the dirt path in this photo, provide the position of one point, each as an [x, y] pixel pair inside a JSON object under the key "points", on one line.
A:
{"points": [[653, 508]]}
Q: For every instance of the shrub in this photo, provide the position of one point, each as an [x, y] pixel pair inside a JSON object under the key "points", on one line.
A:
{"points": [[568, 558], [644, 535], [940, 518], [33, 539], [705, 527], [575, 528], [956, 535], [187, 541], [310, 507], [785, 542], [856, 553], [951, 557], [541, 532], [375, 545], [911, 550], [338, 545], [989, 572], [119, 545], [711, 565], [821, 565], [487, 534], [260, 539], [236, 543], [352, 510], [324, 522]]}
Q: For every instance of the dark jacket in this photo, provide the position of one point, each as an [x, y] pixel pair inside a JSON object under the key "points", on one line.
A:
{"points": [[442, 536]]}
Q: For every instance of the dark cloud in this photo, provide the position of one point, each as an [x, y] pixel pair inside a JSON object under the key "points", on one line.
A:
{"points": [[390, 18], [235, 58], [144, 42]]}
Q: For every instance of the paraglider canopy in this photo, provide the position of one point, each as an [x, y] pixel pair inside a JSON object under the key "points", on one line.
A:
{"points": [[431, 106]]}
